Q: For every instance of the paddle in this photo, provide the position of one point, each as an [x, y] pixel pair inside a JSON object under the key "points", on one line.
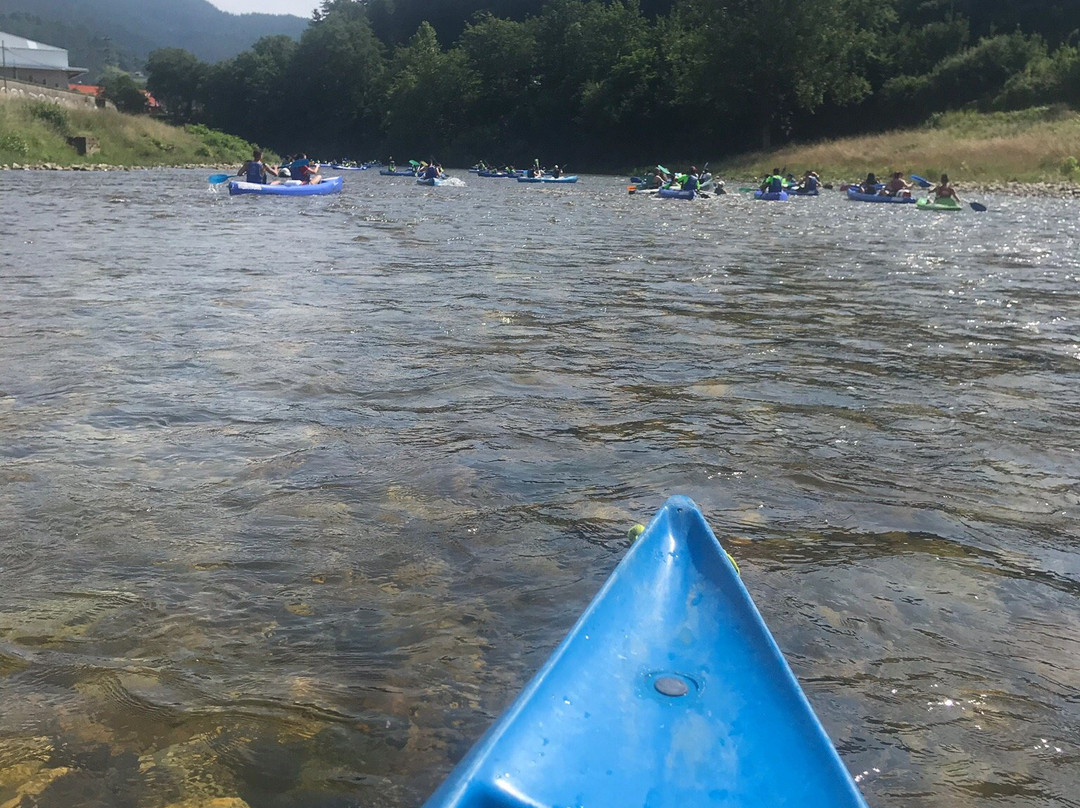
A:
{"points": [[217, 179], [922, 182]]}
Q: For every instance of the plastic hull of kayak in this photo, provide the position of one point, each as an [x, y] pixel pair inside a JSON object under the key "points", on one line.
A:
{"points": [[772, 196], [815, 192], [430, 180], [396, 173], [675, 193], [331, 185], [859, 196], [669, 692], [941, 204]]}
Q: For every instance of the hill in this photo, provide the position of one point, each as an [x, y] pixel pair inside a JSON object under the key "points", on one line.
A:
{"points": [[122, 32]]}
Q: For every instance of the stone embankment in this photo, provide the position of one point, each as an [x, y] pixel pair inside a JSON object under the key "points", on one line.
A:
{"points": [[1057, 190]]}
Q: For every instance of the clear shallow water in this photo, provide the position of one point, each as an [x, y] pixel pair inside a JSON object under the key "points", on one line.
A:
{"points": [[295, 494]]}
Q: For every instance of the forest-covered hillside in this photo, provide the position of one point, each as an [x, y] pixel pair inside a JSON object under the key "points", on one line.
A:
{"points": [[609, 82], [122, 33]]}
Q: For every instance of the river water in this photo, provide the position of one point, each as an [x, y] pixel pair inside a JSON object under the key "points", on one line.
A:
{"points": [[296, 494]]}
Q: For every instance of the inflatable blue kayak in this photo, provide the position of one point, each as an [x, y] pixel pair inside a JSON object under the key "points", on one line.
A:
{"points": [[331, 185], [772, 196], [431, 180], [676, 193], [669, 692], [858, 196], [571, 178]]}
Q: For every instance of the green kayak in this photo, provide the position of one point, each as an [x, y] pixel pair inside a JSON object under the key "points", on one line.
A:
{"points": [[945, 203]]}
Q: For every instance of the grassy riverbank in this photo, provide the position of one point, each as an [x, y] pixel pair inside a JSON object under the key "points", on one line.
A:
{"points": [[1033, 147], [35, 133]]}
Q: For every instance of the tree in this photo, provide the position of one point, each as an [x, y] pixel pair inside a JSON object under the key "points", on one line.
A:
{"points": [[335, 85], [766, 61], [120, 88], [428, 93], [177, 80], [246, 92]]}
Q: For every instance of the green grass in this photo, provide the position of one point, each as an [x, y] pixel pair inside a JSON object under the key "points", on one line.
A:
{"points": [[35, 132], [1041, 144]]}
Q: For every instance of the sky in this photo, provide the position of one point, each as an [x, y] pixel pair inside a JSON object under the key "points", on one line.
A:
{"points": [[301, 8]]}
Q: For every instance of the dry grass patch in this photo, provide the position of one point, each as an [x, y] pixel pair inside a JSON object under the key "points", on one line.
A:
{"points": [[1039, 145]]}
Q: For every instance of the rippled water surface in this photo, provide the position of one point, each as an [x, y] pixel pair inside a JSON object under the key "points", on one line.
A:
{"points": [[295, 494]]}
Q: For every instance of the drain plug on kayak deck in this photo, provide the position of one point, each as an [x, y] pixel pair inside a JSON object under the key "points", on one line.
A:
{"points": [[671, 686]]}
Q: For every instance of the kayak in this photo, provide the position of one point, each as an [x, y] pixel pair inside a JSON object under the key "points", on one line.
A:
{"points": [[945, 203], [796, 192], [570, 178], [772, 196], [676, 193], [430, 180], [397, 172], [331, 185], [668, 692], [857, 196]]}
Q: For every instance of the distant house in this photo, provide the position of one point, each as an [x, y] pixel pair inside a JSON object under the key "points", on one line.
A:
{"points": [[86, 89], [32, 62]]}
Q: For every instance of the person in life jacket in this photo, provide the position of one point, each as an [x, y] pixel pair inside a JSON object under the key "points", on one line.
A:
{"points": [[774, 183], [810, 182], [254, 171], [303, 170], [690, 183]]}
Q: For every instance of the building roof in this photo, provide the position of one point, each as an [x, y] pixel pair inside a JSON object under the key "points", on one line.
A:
{"points": [[20, 52]]}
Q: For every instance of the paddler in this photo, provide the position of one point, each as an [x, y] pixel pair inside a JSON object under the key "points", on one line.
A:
{"points": [[897, 185], [945, 191], [690, 182], [254, 171], [774, 183]]}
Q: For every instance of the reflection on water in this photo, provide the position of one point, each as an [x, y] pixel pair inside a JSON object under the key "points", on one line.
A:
{"points": [[295, 494]]}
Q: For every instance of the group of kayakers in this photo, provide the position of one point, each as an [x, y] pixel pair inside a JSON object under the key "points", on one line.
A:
{"points": [[298, 168], [778, 181], [535, 170], [898, 186], [692, 180]]}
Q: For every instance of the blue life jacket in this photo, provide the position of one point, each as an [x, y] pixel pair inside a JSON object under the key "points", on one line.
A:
{"points": [[255, 172]]}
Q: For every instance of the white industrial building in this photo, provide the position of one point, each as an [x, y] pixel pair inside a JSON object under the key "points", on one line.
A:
{"points": [[33, 62]]}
